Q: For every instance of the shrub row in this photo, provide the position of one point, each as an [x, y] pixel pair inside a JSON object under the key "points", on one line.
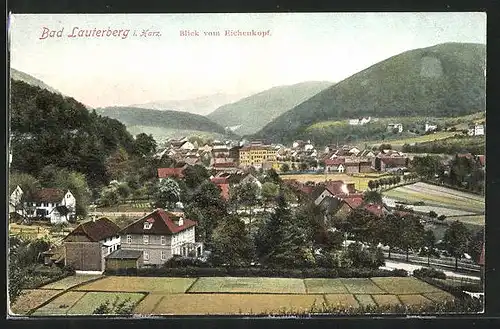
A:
{"points": [[429, 273], [457, 291], [258, 272]]}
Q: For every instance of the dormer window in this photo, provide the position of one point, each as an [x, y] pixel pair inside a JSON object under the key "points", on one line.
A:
{"points": [[147, 226], [181, 221]]}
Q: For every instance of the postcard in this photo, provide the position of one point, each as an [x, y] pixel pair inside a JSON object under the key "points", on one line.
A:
{"points": [[277, 164]]}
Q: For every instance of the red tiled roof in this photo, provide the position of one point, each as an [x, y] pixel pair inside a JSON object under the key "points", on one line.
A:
{"points": [[375, 209], [97, 230], [170, 172], [481, 257], [219, 180], [334, 161], [224, 165], [353, 201], [48, 195], [163, 224], [482, 159]]}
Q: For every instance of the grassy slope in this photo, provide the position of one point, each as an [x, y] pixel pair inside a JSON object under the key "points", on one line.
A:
{"points": [[255, 111], [132, 116], [21, 76], [395, 87]]}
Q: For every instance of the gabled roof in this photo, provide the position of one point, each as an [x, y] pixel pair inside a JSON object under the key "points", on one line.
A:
{"points": [[48, 195], [353, 201], [170, 172], [334, 161], [97, 230], [375, 209], [482, 159], [125, 254], [163, 224], [219, 180]]}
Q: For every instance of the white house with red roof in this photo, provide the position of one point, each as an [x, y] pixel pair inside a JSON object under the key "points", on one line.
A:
{"points": [[160, 235], [51, 203]]}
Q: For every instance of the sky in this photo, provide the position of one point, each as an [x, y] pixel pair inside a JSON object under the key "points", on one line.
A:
{"points": [[286, 48]]}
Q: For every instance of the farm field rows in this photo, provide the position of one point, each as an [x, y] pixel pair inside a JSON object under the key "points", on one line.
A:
{"points": [[361, 183], [70, 282], [440, 197], [230, 295]]}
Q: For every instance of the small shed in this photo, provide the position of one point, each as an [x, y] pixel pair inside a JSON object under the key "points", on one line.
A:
{"points": [[123, 259]]}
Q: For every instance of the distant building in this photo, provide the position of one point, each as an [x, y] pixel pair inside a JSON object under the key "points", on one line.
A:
{"points": [[51, 203], [476, 130], [393, 126], [362, 121], [256, 155], [164, 173], [429, 127]]}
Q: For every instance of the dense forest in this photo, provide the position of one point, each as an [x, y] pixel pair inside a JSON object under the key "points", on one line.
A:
{"points": [[134, 116], [49, 129], [446, 80]]}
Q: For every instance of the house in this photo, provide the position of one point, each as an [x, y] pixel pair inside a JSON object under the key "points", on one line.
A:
{"points": [[430, 127], [15, 201], [351, 167], [86, 247], [124, 259], [365, 166], [395, 127], [42, 203], [377, 209], [251, 179], [164, 173], [354, 122], [335, 165], [256, 154], [160, 235], [365, 120], [385, 163], [354, 151], [54, 256], [476, 130], [223, 184], [331, 189]]}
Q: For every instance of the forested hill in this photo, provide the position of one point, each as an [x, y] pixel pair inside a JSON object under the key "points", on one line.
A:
{"points": [[134, 116], [445, 80], [49, 129], [250, 114]]}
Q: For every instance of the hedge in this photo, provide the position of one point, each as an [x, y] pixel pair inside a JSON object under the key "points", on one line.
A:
{"points": [[257, 272], [457, 291], [429, 273]]}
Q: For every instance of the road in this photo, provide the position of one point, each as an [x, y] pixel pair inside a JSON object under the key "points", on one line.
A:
{"points": [[411, 267], [446, 263]]}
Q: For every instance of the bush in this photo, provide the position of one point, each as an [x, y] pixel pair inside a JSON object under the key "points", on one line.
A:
{"points": [[429, 273], [400, 272], [432, 214], [360, 257], [441, 217], [257, 272]]}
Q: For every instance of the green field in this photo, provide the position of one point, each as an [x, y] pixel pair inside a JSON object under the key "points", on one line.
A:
{"points": [[438, 196], [411, 140], [248, 285], [360, 182], [231, 295], [70, 282]]}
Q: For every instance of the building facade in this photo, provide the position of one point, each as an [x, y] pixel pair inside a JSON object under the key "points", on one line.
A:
{"points": [[160, 235], [257, 155]]}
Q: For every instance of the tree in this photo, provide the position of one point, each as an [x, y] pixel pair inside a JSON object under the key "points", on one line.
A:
{"points": [[371, 185], [432, 214], [246, 195], [303, 166], [384, 147], [167, 193], [372, 197], [429, 241], [285, 167], [412, 235], [359, 221], [280, 242], [77, 183], [269, 192], [231, 243], [456, 240], [273, 177], [389, 231], [26, 182], [441, 217], [144, 144], [427, 166], [195, 175]]}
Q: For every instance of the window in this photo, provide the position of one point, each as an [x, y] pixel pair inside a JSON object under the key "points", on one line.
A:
{"points": [[145, 239], [110, 249], [67, 196], [129, 239], [146, 255], [147, 225], [163, 240], [163, 255]]}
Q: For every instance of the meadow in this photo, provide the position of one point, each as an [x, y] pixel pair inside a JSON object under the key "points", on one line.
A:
{"points": [[228, 295], [360, 181]]}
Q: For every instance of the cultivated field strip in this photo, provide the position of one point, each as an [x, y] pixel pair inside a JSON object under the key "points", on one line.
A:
{"points": [[233, 295], [423, 187]]}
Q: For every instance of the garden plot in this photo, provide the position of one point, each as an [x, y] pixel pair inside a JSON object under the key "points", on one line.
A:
{"points": [[439, 296], [365, 300], [31, 299], [88, 303], [386, 300], [400, 285], [223, 304], [70, 282], [61, 305], [341, 300], [248, 285], [325, 286], [361, 286], [139, 284], [409, 300]]}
